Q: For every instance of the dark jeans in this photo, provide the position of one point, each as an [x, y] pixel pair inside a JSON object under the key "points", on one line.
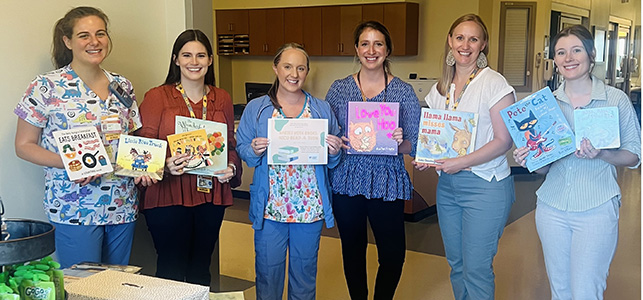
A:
{"points": [[387, 222], [184, 238]]}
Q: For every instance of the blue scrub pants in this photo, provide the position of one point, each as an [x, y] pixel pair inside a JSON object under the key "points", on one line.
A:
{"points": [[472, 214], [578, 248], [110, 244], [301, 241]]}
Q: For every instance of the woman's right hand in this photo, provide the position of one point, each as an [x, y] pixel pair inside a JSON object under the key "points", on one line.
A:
{"points": [[520, 155], [86, 180], [259, 145], [176, 163]]}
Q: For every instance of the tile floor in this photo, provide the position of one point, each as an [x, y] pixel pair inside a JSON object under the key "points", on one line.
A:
{"points": [[519, 268]]}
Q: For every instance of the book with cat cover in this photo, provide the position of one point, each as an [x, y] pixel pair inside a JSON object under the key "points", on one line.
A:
{"points": [[538, 123], [138, 156], [599, 125], [445, 134], [217, 158], [82, 152], [194, 143], [370, 127]]}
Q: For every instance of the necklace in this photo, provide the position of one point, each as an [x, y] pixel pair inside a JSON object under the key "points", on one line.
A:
{"points": [[302, 109], [359, 83], [179, 87], [464, 88]]}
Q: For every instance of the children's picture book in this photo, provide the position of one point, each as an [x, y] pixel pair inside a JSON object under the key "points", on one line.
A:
{"points": [[297, 141], [217, 158], [538, 123], [445, 134], [370, 127], [82, 152], [599, 125], [194, 143], [138, 156]]}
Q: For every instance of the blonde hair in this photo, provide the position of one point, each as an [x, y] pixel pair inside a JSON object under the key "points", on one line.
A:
{"points": [[449, 71]]}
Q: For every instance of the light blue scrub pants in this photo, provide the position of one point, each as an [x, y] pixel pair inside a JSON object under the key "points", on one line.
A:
{"points": [[301, 241], [578, 248], [110, 244], [472, 214]]}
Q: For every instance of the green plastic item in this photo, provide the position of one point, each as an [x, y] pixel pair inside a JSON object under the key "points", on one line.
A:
{"points": [[9, 297]]}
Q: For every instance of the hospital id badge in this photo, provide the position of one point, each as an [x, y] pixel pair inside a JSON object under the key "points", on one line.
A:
{"points": [[203, 183], [110, 126]]}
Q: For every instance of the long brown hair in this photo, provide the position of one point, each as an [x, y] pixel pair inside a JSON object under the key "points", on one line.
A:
{"points": [[449, 71], [190, 35], [272, 92], [61, 55]]}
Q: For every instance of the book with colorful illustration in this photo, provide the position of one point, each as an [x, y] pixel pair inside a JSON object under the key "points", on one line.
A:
{"points": [[538, 123], [194, 143], [297, 141], [138, 156], [82, 152], [370, 127], [599, 125], [445, 134], [217, 158]]}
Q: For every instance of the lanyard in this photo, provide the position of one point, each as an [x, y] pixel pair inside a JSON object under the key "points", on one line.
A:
{"points": [[457, 101], [187, 101], [360, 85]]}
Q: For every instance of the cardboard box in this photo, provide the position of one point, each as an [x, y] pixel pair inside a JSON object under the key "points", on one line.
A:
{"points": [[114, 285]]}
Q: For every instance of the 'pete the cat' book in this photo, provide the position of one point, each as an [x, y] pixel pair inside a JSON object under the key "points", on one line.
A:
{"points": [[537, 123], [194, 143], [370, 127], [138, 156], [599, 125], [217, 158], [445, 134]]}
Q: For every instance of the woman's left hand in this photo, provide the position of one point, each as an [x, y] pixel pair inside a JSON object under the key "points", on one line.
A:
{"points": [[334, 144], [451, 165], [398, 136], [587, 151], [225, 175]]}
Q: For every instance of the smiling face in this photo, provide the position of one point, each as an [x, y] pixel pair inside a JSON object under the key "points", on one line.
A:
{"points": [[466, 42], [291, 70], [89, 42], [371, 49], [571, 58], [193, 61]]}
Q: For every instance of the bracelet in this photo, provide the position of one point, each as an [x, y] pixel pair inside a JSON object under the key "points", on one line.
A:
{"points": [[234, 169]]}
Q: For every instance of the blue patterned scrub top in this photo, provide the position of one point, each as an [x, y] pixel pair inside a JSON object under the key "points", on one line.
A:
{"points": [[375, 176], [60, 100]]}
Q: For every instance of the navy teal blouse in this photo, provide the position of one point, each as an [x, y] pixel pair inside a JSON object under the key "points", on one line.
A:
{"points": [[375, 176]]}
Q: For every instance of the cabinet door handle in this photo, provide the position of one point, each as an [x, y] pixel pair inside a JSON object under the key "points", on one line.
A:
{"points": [[339, 47]]}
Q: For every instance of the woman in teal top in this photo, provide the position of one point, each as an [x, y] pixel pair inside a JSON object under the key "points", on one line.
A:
{"points": [[578, 204]]}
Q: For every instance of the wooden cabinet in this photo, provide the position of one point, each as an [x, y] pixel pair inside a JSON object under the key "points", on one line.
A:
{"points": [[266, 31], [232, 32], [401, 20], [303, 25], [338, 23], [232, 21], [322, 30]]}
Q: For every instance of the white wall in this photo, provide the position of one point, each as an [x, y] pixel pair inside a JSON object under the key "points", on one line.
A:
{"points": [[142, 31]]}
